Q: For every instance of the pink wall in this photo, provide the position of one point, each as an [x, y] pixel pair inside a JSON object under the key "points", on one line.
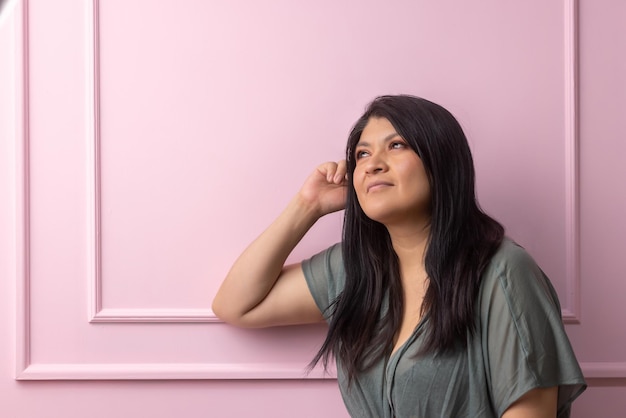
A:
{"points": [[147, 145]]}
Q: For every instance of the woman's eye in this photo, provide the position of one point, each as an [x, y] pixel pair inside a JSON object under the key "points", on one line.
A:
{"points": [[361, 154], [396, 145]]}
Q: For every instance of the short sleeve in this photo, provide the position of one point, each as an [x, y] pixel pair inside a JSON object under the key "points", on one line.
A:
{"points": [[325, 276], [523, 339]]}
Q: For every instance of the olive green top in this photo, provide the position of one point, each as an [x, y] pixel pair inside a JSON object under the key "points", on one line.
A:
{"points": [[520, 344]]}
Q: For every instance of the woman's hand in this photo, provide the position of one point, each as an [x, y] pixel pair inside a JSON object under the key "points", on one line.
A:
{"points": [[325, 189]]}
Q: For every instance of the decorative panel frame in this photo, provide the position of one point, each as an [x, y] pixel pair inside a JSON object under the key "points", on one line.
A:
{"points": [[26, 370], [97, 311]]}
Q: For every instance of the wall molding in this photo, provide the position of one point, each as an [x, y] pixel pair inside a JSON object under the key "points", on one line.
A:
{"points": [[97, 312], [604, 370], [172, 371], [200, 371], [571, 310], [154, 315], [22, 190]]}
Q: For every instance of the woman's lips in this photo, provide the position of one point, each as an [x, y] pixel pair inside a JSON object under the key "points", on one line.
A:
{"points": [[378, 185]]}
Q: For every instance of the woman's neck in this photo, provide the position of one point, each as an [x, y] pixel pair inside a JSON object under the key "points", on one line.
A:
{"points": [[410, 243]]}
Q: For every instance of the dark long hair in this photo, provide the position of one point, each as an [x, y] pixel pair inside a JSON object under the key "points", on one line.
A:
{"points": [[462, 241]]}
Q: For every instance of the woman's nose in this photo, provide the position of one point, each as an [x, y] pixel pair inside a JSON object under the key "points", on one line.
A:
{"points": [[375, 163]]}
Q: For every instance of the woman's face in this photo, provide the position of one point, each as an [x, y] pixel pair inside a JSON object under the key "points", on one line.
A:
{"points": [[389, 178]]}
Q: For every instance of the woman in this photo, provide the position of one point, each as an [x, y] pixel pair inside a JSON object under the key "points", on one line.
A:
{"points": [[432, 312]]}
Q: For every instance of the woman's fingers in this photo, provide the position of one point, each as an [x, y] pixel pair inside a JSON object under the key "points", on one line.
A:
{"points": [[335, 171], [329, 168], [340, 173], [325, 188]]}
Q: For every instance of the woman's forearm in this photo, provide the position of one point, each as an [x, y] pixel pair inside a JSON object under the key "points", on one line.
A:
{"points": [[255, 272], [258, 291]]}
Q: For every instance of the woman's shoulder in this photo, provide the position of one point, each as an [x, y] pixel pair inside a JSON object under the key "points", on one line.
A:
{"points": [[522, 333], [514, 274], [511, 261], [511, 255], [330, 258], [325, 275]]}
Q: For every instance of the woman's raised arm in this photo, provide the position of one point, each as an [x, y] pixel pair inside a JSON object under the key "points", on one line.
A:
{"points": [[259, 290]]}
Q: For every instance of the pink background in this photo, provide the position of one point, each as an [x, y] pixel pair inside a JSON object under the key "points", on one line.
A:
{"points": [[145, 143]]}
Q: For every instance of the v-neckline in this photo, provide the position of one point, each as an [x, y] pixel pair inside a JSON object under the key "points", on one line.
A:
{"points": [[395, 350]]}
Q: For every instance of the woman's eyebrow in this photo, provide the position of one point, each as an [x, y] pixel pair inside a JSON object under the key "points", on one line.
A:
{"points": [[385, 139]]}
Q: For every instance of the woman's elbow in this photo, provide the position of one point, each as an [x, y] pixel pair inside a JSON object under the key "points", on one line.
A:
{"points": [[223, 311]]}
